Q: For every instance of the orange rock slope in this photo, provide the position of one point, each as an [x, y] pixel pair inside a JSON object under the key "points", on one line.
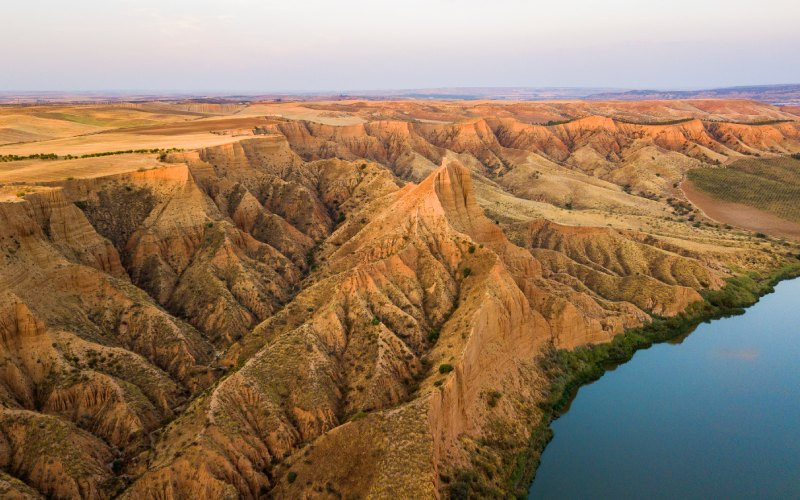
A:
{"points": [[324, 311]]}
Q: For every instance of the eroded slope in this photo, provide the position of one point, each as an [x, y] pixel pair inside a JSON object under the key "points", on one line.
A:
{"points": [[353, 310]]}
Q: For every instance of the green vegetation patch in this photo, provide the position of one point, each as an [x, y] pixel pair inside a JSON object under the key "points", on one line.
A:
{"points": [[655, 122], [96, 121], [552, 123], [772, 185]]}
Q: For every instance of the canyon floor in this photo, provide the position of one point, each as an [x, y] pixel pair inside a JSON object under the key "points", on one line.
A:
{"points": [[348, 299]]}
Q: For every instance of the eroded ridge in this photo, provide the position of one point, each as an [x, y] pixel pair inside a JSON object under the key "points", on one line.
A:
{"points": [[352, 310]]}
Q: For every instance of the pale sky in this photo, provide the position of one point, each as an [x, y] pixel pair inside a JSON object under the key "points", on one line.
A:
{"points": [[318, 45]]}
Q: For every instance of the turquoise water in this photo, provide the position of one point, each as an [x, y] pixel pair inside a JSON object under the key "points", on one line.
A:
{"points": [[714, 416]]}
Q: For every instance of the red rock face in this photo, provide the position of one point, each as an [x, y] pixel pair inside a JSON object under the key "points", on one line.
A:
{"points": [[364, 305]]}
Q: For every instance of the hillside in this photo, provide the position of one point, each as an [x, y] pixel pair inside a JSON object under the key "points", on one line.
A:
{"points": [[341, 299]]}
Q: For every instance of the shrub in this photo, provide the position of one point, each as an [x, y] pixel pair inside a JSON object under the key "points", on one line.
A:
{"points": [[291, 476], [493, 397], [116, 465], [466, 271], [376, 320], [445, 368], [551, 123], [472, 249], [433, 336]]}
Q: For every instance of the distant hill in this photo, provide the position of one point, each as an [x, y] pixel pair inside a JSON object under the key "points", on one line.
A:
{"points": [[788, 94], [773, 94], [476, 93]]}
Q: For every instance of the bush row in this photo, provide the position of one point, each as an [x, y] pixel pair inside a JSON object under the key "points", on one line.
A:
{"points": [[53, 156]]}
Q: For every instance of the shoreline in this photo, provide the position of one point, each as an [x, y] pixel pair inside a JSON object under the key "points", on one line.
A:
{"points": [[568, 371]]}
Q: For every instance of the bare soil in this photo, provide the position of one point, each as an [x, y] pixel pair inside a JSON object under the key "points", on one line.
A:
{"points": [[740, 215]]}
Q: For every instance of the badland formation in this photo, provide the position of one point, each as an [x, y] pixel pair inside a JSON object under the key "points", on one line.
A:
{"points": [[346, 298]]}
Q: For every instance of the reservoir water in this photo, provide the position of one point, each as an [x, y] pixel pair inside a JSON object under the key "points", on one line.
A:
{"points": [[716, 415]]}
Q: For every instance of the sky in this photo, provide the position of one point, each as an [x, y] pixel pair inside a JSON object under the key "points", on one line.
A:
{"points": [[326, 45]]}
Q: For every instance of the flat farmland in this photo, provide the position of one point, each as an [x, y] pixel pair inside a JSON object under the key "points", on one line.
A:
{"points": [[771, 185]]}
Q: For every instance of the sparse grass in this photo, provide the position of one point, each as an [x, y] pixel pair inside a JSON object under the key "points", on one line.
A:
{"points": [[75, 118], [88, 117], [772, 185]]}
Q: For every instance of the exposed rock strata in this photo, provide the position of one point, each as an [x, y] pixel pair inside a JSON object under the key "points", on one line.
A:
{"points": [[328, 301]]}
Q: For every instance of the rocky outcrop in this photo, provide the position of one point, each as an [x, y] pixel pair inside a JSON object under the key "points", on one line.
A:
{"points": [[54, 457], [323, 310], [82, 351], [597, 145], [428, 281]]}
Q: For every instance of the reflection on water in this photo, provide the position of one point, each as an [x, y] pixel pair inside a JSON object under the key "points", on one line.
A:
{"points": [[715, 414]]}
